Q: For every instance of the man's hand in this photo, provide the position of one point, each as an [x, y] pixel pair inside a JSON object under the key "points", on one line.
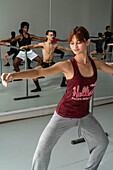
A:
{"points": [[8, 44], [26, 46], [110, 44]]}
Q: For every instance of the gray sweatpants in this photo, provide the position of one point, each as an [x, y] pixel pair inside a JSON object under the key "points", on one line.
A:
{"points": [[90, 129]]}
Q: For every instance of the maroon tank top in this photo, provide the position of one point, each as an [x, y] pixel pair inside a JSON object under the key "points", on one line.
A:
{"points": [[75, 102]]}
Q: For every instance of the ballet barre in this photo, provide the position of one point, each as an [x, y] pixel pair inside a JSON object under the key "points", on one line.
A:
{"points": [[10, 46]]}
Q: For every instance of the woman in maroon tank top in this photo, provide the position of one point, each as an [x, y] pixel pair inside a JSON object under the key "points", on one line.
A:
{"points": [[73, 109]]}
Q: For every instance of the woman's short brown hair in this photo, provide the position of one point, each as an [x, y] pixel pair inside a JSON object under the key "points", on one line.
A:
{"points": [[81, 34]]}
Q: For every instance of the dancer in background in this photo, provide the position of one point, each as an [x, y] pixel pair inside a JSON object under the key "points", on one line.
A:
{"points": [[12, 50], [48, 49], [99, 43], [57, 51], [25, 39], [19, 43], [108, 35], [73, 109]]}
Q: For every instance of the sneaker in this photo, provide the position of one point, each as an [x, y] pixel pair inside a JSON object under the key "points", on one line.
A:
{"points": [[36, 90], [7, 64]]}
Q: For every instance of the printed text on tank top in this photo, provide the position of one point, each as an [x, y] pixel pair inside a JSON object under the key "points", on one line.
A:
{"points": [[86, 91], [85, 94]]}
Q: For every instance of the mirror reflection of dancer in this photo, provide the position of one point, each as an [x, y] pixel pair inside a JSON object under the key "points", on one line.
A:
{"points": [[99, 49], [48, 53], [48, 49], [57, 51], [108, 34], [25, 39], [19, 43], [73, 109], [12, 50]]}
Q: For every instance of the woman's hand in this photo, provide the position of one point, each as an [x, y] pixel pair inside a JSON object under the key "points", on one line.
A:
{"points": [[6, 77]]}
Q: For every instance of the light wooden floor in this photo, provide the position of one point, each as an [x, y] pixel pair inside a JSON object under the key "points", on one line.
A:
{"points": [[18, 141]]}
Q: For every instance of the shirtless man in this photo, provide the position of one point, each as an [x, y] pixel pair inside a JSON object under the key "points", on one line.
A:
{"points": [[48, 49]]}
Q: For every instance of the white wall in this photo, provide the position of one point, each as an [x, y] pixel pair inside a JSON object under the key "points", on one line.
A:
{"points": [[93, 14], [13, 12]]}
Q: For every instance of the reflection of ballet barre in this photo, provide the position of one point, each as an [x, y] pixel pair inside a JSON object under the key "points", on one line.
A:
{"points": [[26, 67], [10, 46]]}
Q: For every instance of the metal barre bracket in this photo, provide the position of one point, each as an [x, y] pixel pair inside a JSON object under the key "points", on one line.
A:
{"points": [[81, 140]]}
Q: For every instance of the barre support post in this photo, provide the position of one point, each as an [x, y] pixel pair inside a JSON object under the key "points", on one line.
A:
{"points": [[0, 63], [26, 83]]}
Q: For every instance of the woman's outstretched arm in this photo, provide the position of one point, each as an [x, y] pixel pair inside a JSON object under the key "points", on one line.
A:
{"points": [[34, 73]]}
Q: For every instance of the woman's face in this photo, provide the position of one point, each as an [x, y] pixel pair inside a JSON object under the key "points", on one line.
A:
{"points": [[77, 46]]}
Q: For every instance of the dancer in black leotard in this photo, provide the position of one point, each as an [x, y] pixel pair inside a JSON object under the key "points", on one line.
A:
{"points": [[108, 34], [19, 43], [99, 42], [25, 39]]}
